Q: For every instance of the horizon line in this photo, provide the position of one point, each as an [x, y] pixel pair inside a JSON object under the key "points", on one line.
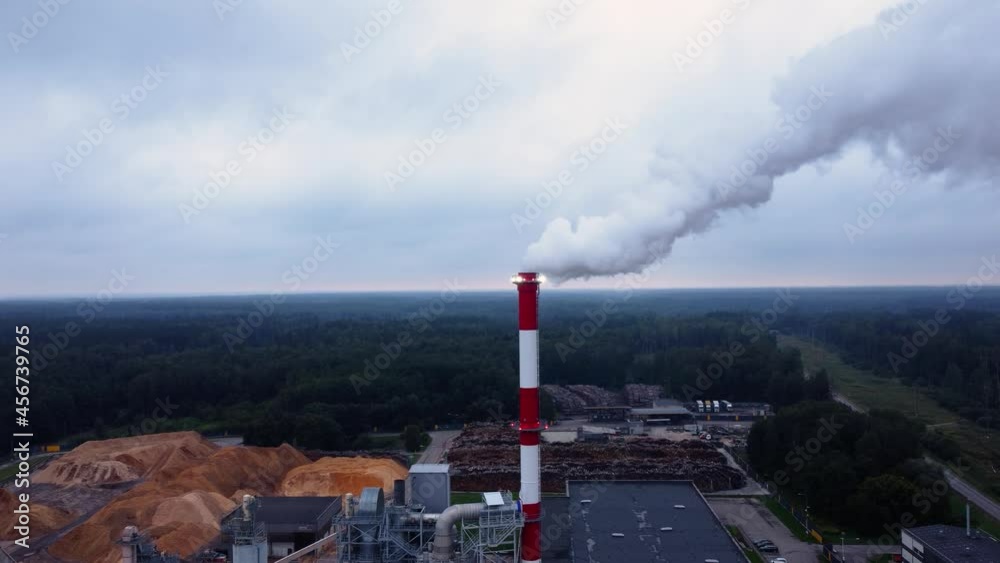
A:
{"points": [[550, 286]]}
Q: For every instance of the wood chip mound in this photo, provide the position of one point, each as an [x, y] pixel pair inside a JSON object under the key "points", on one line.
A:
{"points": [[334, 476], [180, 507], [123, 460], [44, 519]]}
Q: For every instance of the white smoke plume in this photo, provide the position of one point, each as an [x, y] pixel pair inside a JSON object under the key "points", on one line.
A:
{"points": [[925, 75]]}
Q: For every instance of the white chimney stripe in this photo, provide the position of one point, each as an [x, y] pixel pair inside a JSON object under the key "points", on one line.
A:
{"points": [[530, 475], [529, 358]]}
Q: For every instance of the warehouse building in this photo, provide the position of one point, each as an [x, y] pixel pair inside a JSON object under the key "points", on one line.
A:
{"points": [[948, 544], [634, 521]]}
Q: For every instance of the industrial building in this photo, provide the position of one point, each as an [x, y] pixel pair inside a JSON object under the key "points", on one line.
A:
{"points": [[948, 544], [673, 412], [289, 523], [635, 521]]}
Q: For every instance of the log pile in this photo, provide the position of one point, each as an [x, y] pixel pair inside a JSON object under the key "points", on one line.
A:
{"points": [[486, 458], [638, 395], [571, 399]]}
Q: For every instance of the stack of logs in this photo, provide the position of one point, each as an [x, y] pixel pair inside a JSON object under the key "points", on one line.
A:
{"points": [[486, 458], [638, 395], [571, 399]]}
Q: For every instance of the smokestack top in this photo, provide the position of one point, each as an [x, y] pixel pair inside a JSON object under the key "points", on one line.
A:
{"points": [[527, 277]]}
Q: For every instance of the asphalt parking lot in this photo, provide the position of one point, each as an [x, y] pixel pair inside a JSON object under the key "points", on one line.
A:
{"points": [[756, 522]]}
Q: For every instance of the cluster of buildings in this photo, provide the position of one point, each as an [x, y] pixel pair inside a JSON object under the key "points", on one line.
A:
{"points": [[674, 412]]}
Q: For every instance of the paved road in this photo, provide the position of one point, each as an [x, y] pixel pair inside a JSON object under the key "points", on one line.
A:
{"points": [[963, 488], [758, 523], [440, 440], [971, 493]]}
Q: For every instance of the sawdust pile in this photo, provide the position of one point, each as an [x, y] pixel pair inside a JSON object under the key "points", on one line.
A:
{"points": [[181, 508], [334, 476], [44, 519], [122, 460]]}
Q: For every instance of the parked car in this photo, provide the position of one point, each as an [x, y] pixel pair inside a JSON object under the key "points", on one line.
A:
{"points": [[768, 548], [779, 560]]}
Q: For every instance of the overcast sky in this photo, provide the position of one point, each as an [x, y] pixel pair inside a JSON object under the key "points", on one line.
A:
{"points": [[313, 106]]}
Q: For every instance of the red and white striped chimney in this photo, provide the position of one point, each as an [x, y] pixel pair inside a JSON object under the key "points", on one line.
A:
{"points": [[530, 430]]}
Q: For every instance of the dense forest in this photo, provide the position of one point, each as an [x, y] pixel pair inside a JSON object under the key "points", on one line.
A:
{"points": [[859, 470], [951, 354], [325, 370], [324, 377]]}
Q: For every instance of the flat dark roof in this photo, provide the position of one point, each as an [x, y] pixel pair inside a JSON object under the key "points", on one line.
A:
{"points": [[654, 411], [952, 543], [638, 510], [555, 532], [296, 514]]}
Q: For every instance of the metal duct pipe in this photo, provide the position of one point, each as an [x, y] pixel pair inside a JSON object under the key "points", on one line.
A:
{"points": [[129, 535], [531, 468], [443, 537], [399, 492]]}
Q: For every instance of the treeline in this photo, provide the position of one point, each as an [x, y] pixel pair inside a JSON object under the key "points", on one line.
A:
{"points": [[861, 471], [326, 379], [953, 355]]}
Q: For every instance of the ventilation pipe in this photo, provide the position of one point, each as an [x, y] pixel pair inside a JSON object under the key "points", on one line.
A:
{"points": [[444, 537], [527, 305], [128, 541], [444, 528]]}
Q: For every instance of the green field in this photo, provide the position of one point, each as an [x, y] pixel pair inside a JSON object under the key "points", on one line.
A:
{"points": [[980, 448]]}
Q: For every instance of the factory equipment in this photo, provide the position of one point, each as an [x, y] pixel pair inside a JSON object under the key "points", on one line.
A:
{"points": [[426, 528], [137, 548], [248, 535]]}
